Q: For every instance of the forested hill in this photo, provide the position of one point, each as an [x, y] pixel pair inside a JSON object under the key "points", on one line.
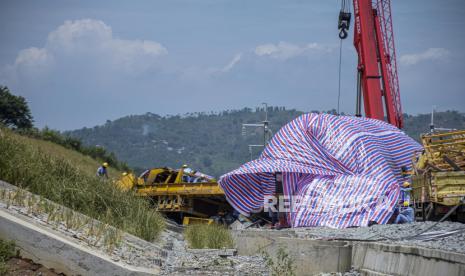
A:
{"points": [[210, 142]]}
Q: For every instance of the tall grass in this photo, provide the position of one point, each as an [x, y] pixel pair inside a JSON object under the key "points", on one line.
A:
{"points": [[208, 236], [24, 164]]}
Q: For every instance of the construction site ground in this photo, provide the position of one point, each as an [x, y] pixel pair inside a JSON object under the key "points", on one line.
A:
{"points": [[314, 251], [55, 245]]}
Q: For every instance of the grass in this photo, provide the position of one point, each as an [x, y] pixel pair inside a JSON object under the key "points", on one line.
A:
{"points": [[281, 265], [84, 163], [215, 236], [7, 250], [68, 178]]}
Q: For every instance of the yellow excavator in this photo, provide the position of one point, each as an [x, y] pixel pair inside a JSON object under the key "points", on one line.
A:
{"points": [[179, 192]]}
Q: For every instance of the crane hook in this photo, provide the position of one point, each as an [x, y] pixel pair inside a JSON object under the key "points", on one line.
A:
{"points": [[343, 34], [343, 24]]}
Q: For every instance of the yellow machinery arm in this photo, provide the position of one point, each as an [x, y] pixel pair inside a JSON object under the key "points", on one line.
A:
{"points": [[185, 189], [177, 191]]}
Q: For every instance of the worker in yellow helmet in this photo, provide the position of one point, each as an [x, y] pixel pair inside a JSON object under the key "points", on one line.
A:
{"points": [[102, 170], [406, 214], [187, 173]]}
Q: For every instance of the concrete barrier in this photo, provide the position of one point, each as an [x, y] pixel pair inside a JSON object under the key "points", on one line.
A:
{"points": [[309, 256], [390, 259], [56, 251]]}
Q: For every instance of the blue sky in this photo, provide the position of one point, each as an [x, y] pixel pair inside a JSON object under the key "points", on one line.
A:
{"points": [[79, 63]]}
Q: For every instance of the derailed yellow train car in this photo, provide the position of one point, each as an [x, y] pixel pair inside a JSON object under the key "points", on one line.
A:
{"points": [[178, 192], [439, 180]]}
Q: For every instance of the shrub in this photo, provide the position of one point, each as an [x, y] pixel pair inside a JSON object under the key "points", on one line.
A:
{"points": [[281, 265], [208, 236]]}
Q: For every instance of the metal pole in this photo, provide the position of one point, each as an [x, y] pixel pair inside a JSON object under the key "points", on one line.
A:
{"points": [[358, 104], [265, 124], [431, 126]]}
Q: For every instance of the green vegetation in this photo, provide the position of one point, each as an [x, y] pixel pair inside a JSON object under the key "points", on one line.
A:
{"points": [[96, 152], [208, 236], [210, 142], [68, 178], [7, 250], [281, 265], [14, 111], [418, 124]]}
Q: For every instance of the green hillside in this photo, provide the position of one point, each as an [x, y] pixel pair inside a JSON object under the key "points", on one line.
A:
{"points": [[210, 142], [68, 177], [84, 163]]}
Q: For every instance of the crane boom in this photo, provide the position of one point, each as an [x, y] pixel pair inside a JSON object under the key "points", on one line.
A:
{"points": [[395, 115], [377, 65]]}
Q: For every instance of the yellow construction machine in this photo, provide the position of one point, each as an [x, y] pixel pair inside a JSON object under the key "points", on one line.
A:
{"points": [[179, 192], [439, 178]]}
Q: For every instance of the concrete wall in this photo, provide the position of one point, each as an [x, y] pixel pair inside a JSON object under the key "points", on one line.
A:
{"points": [[55, 251], [309, 256], [382, 259], [317, 256]]}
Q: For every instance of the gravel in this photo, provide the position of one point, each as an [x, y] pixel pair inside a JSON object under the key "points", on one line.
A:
{"points": [[422, 234], [181, 261]]}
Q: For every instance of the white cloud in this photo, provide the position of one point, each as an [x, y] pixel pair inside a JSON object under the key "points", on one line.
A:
{"points": [[89, 43], [430, 54], [32, 56], [285, 50], [232, 63]]}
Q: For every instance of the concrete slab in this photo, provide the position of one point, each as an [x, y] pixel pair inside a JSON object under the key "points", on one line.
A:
{"points": [[388, 259], [309, 256], [56, 251]]}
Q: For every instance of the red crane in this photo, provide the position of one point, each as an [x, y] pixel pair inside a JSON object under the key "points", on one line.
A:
{"points": [[377, 66]]}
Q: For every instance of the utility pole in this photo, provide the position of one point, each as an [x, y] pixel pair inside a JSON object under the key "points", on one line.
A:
{"points": [[266, 130]]}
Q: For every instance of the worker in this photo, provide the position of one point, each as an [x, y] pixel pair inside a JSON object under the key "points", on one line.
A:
{"points": [[102, 170], [405, 192], [406, 214], [186, 177], [186, 169]]}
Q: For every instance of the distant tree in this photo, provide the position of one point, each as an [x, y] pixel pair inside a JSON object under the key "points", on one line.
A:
{"points": [[14, 111]]}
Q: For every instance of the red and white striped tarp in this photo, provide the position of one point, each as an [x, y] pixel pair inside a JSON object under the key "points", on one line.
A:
{"points": [[338, 171]]}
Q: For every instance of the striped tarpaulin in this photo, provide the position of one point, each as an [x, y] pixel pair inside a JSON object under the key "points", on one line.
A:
{"points": [[338, 171]]}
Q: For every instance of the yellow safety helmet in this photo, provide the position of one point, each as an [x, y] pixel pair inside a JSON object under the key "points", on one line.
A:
{"points": [[105, 164], [125, 173], [406, 184], [406, 203]]}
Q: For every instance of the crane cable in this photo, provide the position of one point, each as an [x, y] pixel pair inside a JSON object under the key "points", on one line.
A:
{"points": [[339, 84], [343, 26]]}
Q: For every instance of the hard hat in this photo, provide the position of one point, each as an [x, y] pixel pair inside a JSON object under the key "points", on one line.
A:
{"points": [[406, 184], [406, 204], [184, 166], [105, 164], [125, 173]]}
